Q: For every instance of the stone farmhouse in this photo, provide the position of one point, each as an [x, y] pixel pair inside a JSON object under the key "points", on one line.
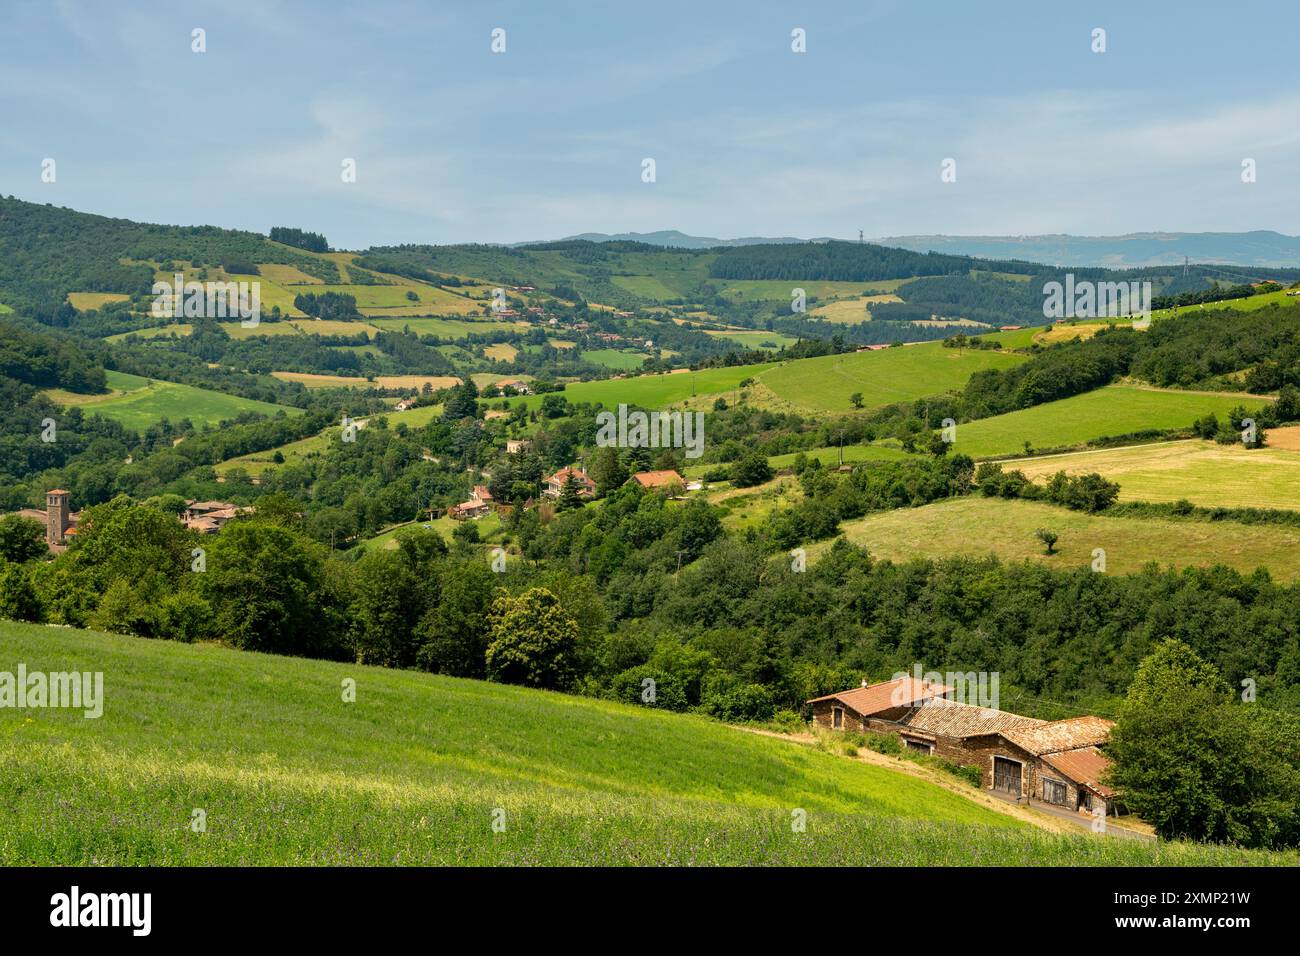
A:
{"points": [[1056, 762]]}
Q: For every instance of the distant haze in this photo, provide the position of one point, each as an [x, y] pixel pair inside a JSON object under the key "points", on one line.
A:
{"points": [[1261, 248], [679, 240]]}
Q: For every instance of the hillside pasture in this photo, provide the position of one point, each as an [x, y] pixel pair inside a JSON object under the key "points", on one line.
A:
{"points": [[1110, 411], [414, 770], [652, 391], [853, 454], [1248, 304], [391, 300], [782, 290], [1202, 472], [622, 360], [646, 287], [88, 301], [317, 380], [1067, 331], [446, 328], [137, 402], [753, 339], [899, 374], [850, 311], [974, 526], [293, 452]]}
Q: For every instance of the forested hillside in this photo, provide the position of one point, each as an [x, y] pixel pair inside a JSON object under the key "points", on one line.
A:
{"points": [[48, 251]]}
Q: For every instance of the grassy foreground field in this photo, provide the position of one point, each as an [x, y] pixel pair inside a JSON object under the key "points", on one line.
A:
{"points": [[1203, 472], [1113, 410], [417, 769], [976, 527], [138, 402]]}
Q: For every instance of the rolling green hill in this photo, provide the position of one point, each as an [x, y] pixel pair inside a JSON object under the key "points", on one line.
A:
{"points": [[652, 391], [417, 769], [139, 402], [882, 377], [1110, 411], [1202, 472], [976, 527]]}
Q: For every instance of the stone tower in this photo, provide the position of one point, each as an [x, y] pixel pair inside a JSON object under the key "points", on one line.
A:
{"points": [[56, 516]]}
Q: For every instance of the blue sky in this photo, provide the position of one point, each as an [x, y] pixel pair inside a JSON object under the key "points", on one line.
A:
{"points": [[454, 143]]}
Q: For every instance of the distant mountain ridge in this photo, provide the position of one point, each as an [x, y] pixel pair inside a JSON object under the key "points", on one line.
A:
{"points": [[674, 238], [1261, 248]]}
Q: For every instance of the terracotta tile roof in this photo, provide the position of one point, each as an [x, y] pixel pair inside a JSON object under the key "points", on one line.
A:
{"points": [[903, 692], [950, 718], [1062, 735], [658, 479], [209, 505], [1085, 765], [580, 477]]}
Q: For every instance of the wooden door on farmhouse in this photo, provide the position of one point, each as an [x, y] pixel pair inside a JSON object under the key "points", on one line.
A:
{"points": [[1006, 775]]}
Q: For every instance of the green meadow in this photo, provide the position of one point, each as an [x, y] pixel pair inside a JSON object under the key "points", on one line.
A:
{"points": [[445, 328], [647, 287], [757, 339], [774, 290], [1013, 339], [1202, 472], [1113, 410], [1248, 304], [889, 375], [831, 455], [85, 301], [295, 452], [139, 402], [652, 391], [490, 531], [975, 526], [617, 359], [421, 769]]}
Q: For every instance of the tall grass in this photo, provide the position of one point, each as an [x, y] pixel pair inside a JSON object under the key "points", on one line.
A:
{"points": [[418, 769]]}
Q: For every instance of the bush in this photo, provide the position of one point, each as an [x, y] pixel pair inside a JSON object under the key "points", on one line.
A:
{"points": [[751, 470], [788, 722], [727, 699], [883, 743], [631, 688]]}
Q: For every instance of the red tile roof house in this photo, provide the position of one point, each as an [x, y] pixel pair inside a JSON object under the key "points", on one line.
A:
{"points": [[505, 386], [555, 483], [1056, 762], [656, 480], [468, 509]]}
